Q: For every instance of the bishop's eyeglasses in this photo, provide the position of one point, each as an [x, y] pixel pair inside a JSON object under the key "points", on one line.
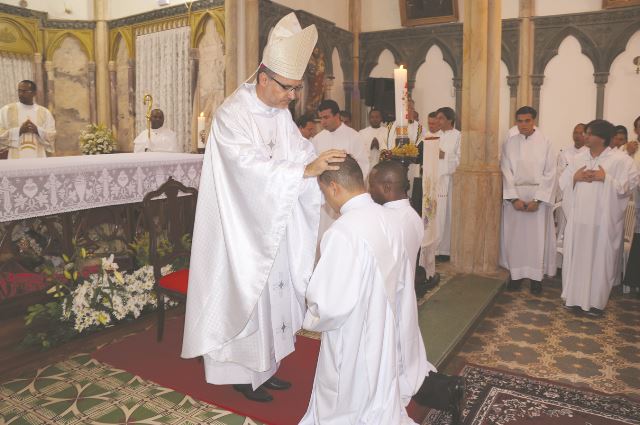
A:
{"points": [[287, 87]]}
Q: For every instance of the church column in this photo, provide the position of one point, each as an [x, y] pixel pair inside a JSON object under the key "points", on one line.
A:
{"points": [[101, 64], [457, 85], [230, 46], [194, 56], [536, 84], [348, 88], [328, 86], [93, 110], [601, 79], [48, 67], [512, 82], [38, 77], [251, 24], [477, 183], [355, 25], [525, 55], [131, 74], [113, 96]]}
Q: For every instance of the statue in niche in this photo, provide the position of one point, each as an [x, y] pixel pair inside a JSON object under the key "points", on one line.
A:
{"points": [[315, 78]]}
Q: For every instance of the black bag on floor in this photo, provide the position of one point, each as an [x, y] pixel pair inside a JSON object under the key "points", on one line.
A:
{"points": [[442, 392]]}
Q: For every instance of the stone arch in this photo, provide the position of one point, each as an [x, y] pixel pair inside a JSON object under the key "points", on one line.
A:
{"points": [[371, 58], [619, 44], [25, 41], [447, 56], [510, 59], [58, 38], [119, 36], [198, 29], [550, 50]]}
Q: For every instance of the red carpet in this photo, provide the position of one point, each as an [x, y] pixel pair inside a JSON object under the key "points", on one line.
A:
{"points": [[161, 363]]}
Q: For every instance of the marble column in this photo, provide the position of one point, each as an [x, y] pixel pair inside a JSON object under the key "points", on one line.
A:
{"points": [[457, 85], [101, 62], [525, 55], [536, 84], [113, 96], [39, 78], [252, 36], [93, 109], [48, 67], [512, 82], [230, 46], [477, 183], [355, 25], [132, 89], [601, 79]]}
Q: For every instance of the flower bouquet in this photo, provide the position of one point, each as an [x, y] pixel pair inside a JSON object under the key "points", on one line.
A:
{"points": [[97, 139]]}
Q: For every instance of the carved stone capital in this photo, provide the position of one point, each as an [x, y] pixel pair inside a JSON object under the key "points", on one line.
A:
{"points": [[601, 78]]}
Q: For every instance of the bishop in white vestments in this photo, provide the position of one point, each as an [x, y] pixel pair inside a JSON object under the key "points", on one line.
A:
{"points": [[160, 139], [256, 225], [449, 159], [528, 240], [597, 186], [352, 300], [387, 184], [27, 129]]}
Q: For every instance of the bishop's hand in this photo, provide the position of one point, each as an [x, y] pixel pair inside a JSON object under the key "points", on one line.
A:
{"points": [[323, 161]]}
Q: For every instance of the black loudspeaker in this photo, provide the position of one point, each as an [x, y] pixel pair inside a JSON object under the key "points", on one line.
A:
{"points": [[380, 95]]}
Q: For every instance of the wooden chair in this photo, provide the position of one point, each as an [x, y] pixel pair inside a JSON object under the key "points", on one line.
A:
{"points": [[169, 214]]}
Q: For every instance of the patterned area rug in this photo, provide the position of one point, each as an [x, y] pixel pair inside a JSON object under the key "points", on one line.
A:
{"points": [[500, 398], [84, 391], [535, 336]]}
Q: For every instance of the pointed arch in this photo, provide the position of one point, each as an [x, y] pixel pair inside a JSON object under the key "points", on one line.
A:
{"points": [[372, 56], [619, 44], [550, 50], [117, 35], [447, 56], [56, 37], [199, 23]]}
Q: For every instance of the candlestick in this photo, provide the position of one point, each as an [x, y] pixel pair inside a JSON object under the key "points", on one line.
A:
{"points": [[201, 131]]}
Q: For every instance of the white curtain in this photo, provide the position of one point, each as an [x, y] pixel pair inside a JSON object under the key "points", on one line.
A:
{"points": [[15, 68], [162, 70]]}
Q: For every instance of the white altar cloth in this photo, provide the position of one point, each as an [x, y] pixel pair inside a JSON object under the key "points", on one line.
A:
{"points": [[44, 186]]}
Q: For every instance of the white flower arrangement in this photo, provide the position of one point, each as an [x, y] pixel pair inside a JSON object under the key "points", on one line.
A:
{"points": [[97, 139]]}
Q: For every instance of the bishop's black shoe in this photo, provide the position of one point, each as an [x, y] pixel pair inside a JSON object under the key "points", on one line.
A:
{"points": [[260, 394], [443, 392], [433, 281], [514, 285], [277, 384]]}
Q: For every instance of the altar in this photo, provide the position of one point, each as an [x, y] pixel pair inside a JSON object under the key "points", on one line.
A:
{"points": [[54, 206]]}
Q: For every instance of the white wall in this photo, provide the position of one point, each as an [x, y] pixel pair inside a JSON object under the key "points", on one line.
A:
{"points": [[337, 90], [336, 11], [76, 9], [568, 94], [560, 7], [386, 65], [434, 85], [121, 8], [622, 93]]}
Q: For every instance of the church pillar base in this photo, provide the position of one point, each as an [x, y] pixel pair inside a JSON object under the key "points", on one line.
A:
{"points": [[475, 219]]}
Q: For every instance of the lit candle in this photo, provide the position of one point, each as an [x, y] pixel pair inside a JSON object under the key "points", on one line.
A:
{"points": [[200, 130], [400, 86]]}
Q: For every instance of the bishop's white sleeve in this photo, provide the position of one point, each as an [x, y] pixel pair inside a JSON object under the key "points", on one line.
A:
{"points": [[334, 289], [547, 188], [508, 181]]}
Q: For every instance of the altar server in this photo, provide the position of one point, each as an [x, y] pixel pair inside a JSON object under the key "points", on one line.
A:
{"points": [[388, 184], [352, 299], [374, 137], [528, 240], [162, 138], [596, 186], [27, 129], [256, 225]]}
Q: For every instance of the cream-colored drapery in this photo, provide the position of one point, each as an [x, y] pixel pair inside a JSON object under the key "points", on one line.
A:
{"points": [[15, 68], [162, 69]]}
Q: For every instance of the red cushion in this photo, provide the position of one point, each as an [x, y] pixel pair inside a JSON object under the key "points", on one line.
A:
{"points": [[176, 281]]}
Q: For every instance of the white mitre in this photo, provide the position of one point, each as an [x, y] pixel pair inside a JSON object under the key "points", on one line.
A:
{"points": [[289, 47]]}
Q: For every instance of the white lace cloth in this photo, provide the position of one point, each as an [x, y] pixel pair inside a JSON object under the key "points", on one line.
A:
{"points": [[44, 186]]}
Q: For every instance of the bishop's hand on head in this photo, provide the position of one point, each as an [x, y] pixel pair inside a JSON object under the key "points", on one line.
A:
{"points": [[323, 161]]}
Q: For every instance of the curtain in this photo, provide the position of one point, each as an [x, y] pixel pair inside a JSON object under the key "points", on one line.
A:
{"points": [[15, 68], [162, 70]]}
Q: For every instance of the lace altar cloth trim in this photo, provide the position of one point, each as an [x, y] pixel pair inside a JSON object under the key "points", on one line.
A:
{"points": [[44, 186]]}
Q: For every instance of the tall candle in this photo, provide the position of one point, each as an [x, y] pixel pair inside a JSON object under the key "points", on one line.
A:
{"points": [[200, 130], [400, 86]]}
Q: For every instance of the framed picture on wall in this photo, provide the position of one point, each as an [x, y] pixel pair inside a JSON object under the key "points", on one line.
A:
{"points": [[611, 4], [423, 12]]}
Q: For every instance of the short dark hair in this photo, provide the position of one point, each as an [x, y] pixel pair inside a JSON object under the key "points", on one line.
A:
{"points": [[263, 69], [449, 113], [345, 114], [375, 110], [636, 122], [524, 110], [329, 104], [392, 172], [603, 129], [621, 129], [303, 120], [348, 176], [34, 88], [432, 114]]}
